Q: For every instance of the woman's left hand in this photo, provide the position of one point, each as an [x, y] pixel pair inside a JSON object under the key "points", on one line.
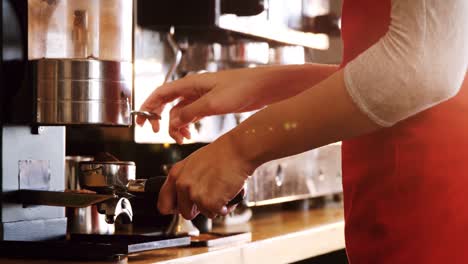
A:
{"points": [[205, 181]]}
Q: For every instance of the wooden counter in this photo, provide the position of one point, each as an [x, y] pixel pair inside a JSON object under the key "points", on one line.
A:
{"points": [[279, 237]]}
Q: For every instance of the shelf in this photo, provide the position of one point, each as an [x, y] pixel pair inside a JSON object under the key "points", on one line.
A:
{"points": [[268, 31]]}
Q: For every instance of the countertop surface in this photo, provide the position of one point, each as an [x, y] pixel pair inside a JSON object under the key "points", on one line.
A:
{"points": [[277, 237]]}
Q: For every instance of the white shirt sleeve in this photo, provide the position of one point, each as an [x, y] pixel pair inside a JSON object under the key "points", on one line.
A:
{"points": [[420, 62]]}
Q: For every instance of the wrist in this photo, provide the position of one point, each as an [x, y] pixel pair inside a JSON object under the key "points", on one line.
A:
{"points": [[239, 152]]}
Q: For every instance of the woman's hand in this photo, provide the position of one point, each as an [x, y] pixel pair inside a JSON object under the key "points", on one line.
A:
{"points": [[203, 95], [233, 91], [204, 182]]}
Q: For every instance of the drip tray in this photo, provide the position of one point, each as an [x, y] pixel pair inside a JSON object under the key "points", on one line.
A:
{"points": [[89, 247]]}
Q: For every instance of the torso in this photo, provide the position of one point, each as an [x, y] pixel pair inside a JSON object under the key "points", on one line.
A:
{"points": [[404, 186]]}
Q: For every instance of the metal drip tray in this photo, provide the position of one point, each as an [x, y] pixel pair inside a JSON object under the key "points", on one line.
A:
{"points": [[89, 247]]}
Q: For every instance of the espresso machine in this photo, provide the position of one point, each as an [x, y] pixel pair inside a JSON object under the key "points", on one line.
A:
{"points": [[201, 44]]}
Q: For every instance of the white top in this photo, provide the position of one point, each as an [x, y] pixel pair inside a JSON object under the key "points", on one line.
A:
{"points": [[421, 61]]}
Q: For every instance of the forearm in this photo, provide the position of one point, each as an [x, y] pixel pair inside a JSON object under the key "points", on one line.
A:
{"points": [[281, 82], [313, 118]]}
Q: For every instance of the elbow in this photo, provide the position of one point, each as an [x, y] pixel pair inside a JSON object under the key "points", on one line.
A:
{"points": [[390, 93], [415, 66], [438, 84], [444, 92]]}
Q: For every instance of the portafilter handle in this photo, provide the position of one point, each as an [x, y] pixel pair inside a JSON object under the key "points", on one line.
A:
{"points": [[154, 185]]}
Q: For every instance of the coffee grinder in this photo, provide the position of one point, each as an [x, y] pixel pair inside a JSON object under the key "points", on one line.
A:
{"points": [[64, 63]]}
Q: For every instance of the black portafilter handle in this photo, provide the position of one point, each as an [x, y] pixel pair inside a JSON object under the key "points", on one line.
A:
{"points": [[153, 185]]}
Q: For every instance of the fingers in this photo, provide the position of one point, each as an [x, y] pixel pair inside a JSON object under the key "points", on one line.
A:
{"points": [[185, 205], [223, 211], [186, 114], [209, 206], [181, 189], [231, 209], [179, 133], [154, 108], [181, 194], [169, 92], [185, 131], [155, 122], [190, 203], [208, 214], [199, 201], [193, 86], [140, 120], [167, 200]]}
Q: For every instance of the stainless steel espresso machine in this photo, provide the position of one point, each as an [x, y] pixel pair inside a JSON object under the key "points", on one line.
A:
{"points": [[215, 43]]}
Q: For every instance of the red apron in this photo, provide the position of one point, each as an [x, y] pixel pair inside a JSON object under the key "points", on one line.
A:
{"points": [[405, 187]]}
